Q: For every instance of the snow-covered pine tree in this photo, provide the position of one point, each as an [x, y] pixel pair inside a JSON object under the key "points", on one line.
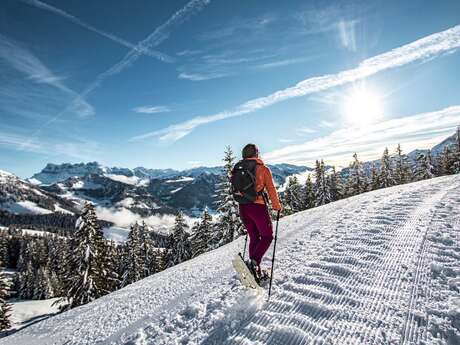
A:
{"points": [[293, 195], [110, 266], [147, 250], [375, 178], [322, 192], [42, 286], [357, 183], [85, 279], [334, 184], [5, 308], [402, 173], [180, 244], [424, 168], [445, 162], [308, 194], [133, 258], [26, 282], [386, 171], [202, 231], [228, 225], [456, 159]]}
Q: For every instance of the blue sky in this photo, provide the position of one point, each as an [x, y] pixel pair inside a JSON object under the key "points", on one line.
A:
{"points": [[171, 83]]}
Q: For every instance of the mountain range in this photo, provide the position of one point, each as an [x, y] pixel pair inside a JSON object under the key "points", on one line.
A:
{"points": [[133, 194]]}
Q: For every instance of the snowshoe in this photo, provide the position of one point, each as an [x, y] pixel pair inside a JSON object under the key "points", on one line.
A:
{"points": [[244, 274]]}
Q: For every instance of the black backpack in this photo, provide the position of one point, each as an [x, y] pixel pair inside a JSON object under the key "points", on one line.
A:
{"points": [[244, 181]]}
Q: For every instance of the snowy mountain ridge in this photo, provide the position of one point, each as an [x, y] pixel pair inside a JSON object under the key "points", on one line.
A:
{"points": [[378, 268]]}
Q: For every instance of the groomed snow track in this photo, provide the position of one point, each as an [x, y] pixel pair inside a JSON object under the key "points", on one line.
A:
{"points": [[378, 268]]}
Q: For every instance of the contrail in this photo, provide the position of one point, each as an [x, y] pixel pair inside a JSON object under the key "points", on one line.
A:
{"points": [[423, 49], [41, 5], [154, 39]]}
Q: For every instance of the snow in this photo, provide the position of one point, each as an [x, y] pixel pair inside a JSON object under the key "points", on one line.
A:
{"points": [[34, 181], [127, 202], [116, 234], [25, 312], [357, 271], [58, 208], [182, 179], [176, 190], [24, 207], [133, 180]]}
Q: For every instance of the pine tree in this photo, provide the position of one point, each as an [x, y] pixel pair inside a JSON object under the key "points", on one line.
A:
{"points": [[424, 168], [386, 172], [202, 231], [445, 162], [456, 159], [134, 263], [322, 193], [5, 308], [85, 277], [308, 194], [401, 169], [293, 195], [180, 244], [375, 178], [147, 250], [228, 224], [42, 286], [334, 183], [357, 183], [26, 282]]}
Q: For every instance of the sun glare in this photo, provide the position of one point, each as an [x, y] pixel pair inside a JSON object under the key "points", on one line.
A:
{"points": [[362, 107]]}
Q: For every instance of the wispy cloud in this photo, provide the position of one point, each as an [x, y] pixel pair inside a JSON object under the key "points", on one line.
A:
{"points": [[306, 130], [62, 145], [202, 76], [152, 109], [347, 33], [159, 35], [425, 48], [22, 60], [143, 50], [416, 131], [284, 62], [326, 124]]}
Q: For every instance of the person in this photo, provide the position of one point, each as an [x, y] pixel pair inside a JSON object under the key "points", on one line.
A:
{"points": [[255, 215]]}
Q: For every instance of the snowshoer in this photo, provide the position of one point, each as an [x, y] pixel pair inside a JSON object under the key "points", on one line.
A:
{"points": [[251, 180]]}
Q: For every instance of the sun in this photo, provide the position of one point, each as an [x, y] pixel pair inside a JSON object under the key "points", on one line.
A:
{"points": [[362, 107]]}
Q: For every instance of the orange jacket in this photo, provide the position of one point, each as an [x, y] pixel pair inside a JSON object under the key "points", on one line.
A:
{"points": [[264, 180]]}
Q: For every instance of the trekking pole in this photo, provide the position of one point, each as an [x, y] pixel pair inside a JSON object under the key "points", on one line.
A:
{"points": [[245, 243], [273, 257]]}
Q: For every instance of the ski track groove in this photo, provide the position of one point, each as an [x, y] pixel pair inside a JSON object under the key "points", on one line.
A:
{"points": [[358, 275]]}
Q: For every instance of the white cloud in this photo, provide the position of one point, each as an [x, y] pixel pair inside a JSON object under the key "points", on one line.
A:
{"points": [[200, 76], [28, 64], [158, 36], [347, 34], [416, 131], [152, 109], [284, 140], [421, 50], [326, 124], [306, 130], [124, 218]]}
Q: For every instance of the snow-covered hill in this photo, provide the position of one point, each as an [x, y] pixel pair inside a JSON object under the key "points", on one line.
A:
{"points": [[21, 197], [379, 268]]}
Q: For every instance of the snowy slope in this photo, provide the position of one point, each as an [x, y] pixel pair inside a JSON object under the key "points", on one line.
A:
{"points": [[378, 268]]}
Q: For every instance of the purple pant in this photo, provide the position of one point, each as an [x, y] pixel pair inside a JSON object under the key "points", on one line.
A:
{"points": [[257, 221]]}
